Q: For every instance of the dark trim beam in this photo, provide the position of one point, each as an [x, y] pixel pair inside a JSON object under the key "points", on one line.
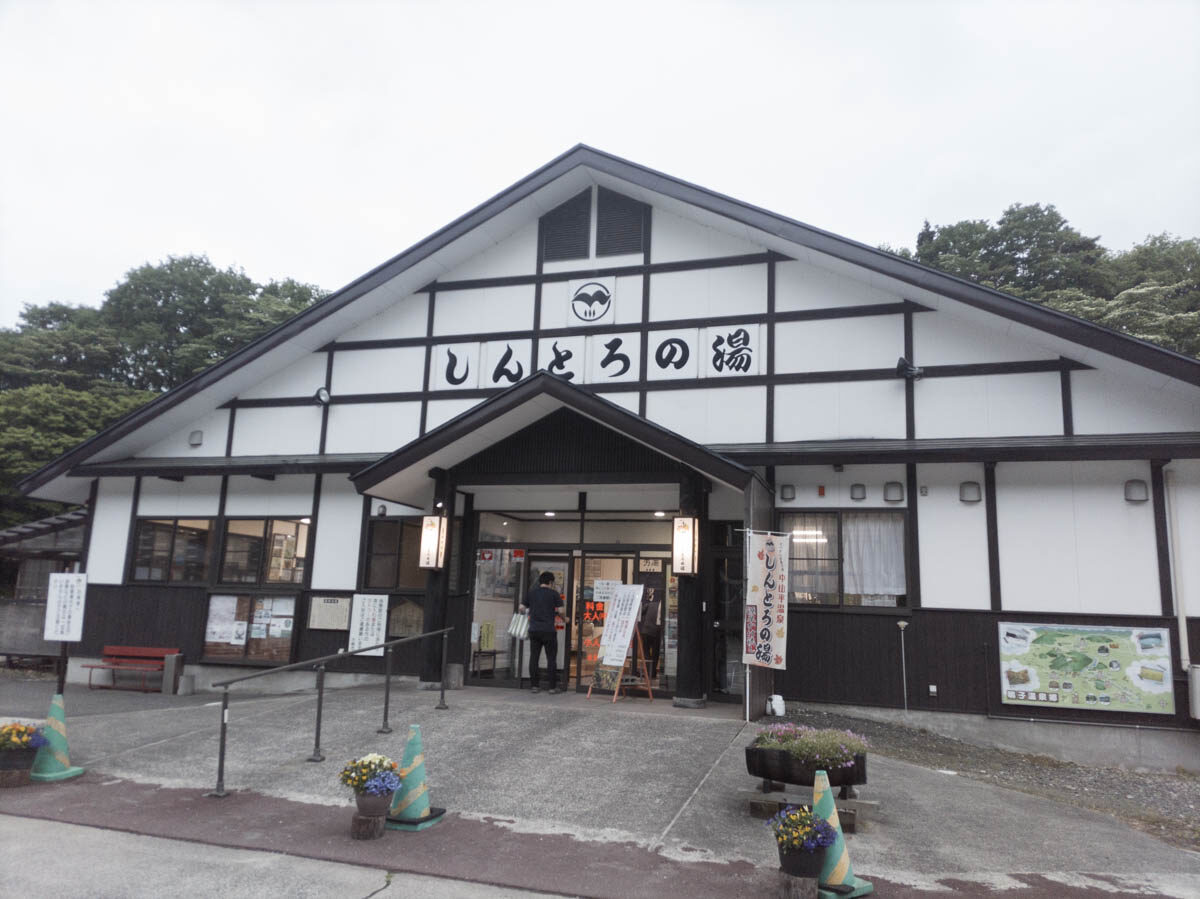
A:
{"points": [[993, 534], [1162, 539]]}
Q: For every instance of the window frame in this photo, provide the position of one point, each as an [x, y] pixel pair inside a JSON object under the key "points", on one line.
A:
{"points": [[168, 579], [393, 589], [261, 581], [903, 605]]}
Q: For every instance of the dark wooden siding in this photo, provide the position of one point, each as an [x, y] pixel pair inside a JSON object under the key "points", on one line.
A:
{"points": [[565, 442], [144, 615], [854, 659]]}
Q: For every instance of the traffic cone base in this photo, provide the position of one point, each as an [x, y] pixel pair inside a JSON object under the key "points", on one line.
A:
{"points": [[836, 871], [410, 808], [53, 761]]}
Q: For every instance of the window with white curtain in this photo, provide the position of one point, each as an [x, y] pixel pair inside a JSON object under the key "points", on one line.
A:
{"points": [[846, 558]]}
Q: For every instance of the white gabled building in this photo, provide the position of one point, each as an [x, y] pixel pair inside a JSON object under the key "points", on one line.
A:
{"points": [[605, 342]]}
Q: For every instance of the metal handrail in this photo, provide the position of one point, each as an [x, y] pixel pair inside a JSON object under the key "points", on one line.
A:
{"points": [[319, 664]]}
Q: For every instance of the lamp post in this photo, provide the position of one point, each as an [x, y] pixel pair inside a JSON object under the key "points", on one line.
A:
{"points": [[903, 667]]}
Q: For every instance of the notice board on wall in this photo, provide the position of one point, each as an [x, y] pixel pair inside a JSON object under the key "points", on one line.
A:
{"points": [[329, 613], [368, 622]]}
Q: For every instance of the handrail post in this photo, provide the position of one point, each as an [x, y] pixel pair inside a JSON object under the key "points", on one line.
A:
{"points": [[442, 702], [219, 792], [316, 756], [387, 689]]}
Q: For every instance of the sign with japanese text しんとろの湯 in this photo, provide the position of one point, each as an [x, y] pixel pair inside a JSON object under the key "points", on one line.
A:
{"points": [[1112, 669], [764, 629], [65, 599]]}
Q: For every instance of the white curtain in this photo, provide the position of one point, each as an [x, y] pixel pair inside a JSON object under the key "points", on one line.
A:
{"points": [[873, 544]]}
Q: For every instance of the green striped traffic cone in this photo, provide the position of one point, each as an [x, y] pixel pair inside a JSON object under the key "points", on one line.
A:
{"points": [[53, 761], [410, 806], [836, 871]]}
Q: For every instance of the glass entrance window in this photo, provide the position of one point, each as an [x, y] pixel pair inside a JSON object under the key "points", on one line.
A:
{"points": [[497, 582]]}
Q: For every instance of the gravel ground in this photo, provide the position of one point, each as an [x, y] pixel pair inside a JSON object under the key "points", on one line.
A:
{"points": [[1164, 805]]}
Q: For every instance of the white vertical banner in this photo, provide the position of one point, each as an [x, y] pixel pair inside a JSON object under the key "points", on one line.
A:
{"points": [[64, 607], [368, 622], [764, 628]]}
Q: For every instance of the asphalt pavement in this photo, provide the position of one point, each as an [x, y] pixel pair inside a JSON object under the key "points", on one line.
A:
{"points": [[553, 794]]}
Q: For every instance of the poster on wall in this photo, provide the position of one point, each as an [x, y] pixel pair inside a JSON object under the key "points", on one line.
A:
{"points": [[1114, 669], [764, 629], [368, 622], [622, 614], [64, 607], [329, 613]]}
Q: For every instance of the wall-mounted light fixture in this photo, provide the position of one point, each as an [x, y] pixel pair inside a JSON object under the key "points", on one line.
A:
{"points": [[893, 492], [433, 542], [969, 492], [195, 438], [381, 511], [905, 369], [1136, 491], [321, 397], [787, 492], [858, 491], [685, 546]]}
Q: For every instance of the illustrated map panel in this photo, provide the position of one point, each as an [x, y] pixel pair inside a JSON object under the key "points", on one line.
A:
{"points": [[1117, 669]]}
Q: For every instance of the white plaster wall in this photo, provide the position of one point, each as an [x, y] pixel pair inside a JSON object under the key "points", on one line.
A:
{"points": [[837, 344], [852, 409], [625, 497], [110, 531], [339, 527], [214, 426], [391, 370], [438, 412], [192, 497], [627, 401], [716, 415], [674, 238], [514, 255], [302, 378], [800, 286], [808, 479], [405, 318], [945, 338], [953, 539], [989, 406], [735, 290], [483, 309], [277, 431], [1102, 403], [289, 496], [372, 427], [1183, 490], [1069, 542]]}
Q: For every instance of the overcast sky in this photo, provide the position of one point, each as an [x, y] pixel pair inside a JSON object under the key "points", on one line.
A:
{"points": [[316, 140]]}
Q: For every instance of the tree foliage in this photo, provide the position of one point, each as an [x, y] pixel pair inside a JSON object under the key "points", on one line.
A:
{"points": [[1151, 291], [66, 372]]}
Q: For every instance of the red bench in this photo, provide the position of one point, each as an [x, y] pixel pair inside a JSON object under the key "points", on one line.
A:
{"points": [[138, 659]]}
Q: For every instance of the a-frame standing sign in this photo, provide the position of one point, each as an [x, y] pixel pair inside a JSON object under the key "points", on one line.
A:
{"points": [[622, 616]]}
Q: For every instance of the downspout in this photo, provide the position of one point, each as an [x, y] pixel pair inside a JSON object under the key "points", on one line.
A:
{"points": [[1185, 658]]}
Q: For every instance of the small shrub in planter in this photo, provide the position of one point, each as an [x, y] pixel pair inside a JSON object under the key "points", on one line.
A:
{"points": [[793, 753]]}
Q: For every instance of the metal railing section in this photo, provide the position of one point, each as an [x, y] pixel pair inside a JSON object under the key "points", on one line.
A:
{"points": [[318, 664]]}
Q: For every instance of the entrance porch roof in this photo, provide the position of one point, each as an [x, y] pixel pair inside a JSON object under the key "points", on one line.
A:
{"points": [[404, 476]]}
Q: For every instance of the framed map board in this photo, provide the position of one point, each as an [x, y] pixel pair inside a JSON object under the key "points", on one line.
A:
{"points": [[1112, 669]]}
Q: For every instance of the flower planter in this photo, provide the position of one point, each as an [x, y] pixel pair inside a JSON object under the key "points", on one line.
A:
{"points": [[781, 765], [15, 767], [799, 863], [373, 806]]}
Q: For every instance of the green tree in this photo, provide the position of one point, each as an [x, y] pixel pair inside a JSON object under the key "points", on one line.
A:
{"points": [[43, 421]]}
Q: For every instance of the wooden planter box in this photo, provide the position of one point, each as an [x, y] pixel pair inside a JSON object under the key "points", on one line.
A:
{"points": [[780, 765]]}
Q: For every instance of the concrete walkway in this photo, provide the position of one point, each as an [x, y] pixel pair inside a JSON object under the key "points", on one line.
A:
{"points": [[554, 793]]}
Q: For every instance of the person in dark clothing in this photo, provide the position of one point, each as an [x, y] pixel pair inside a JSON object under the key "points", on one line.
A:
{"points": [[543, 602], [650, 627]]}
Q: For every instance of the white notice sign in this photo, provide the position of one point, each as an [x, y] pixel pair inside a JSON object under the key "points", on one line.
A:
{"points": [[620, 617], [368, 622], [329, 613], [64, 607], [602, 595]]}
